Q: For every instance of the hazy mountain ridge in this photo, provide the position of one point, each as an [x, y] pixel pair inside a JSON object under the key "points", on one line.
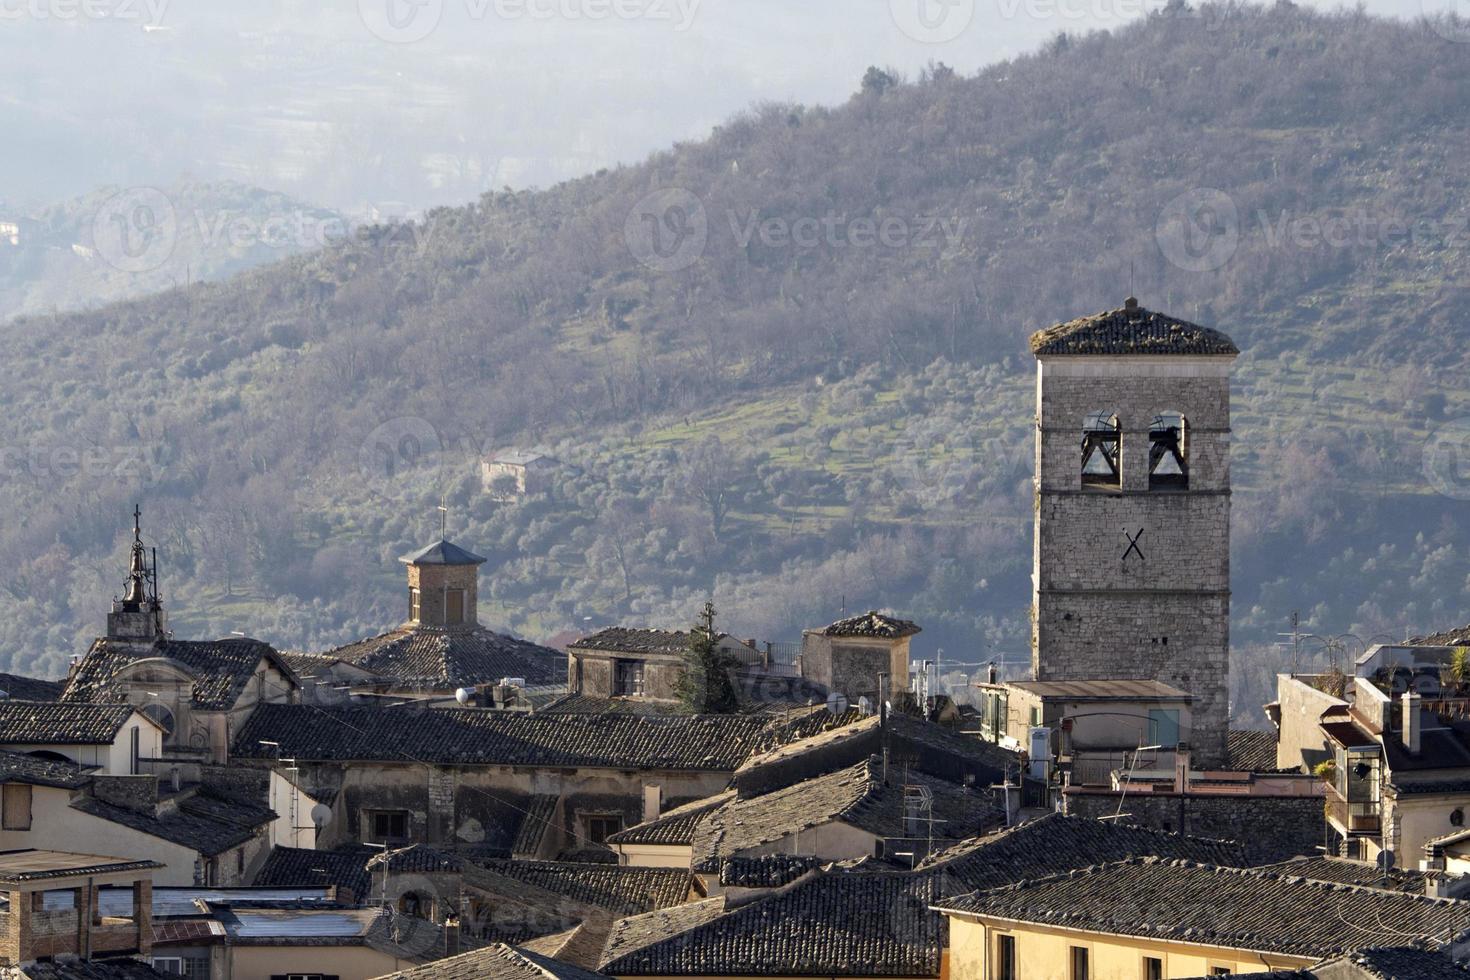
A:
{"points": [[791, 425]]}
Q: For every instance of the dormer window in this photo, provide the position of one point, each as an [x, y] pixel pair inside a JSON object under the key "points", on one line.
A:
{"points": [[1168, 452], [1101, 444]]}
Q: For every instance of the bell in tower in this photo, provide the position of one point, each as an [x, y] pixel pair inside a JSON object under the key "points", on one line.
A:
{"points": [[138, 617]]}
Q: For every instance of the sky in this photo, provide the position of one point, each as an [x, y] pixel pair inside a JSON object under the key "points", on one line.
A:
{"points": [[398, 105]]}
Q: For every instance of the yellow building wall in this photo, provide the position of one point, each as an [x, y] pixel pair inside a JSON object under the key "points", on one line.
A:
{"points": [[1046, 954], [346, 962]]}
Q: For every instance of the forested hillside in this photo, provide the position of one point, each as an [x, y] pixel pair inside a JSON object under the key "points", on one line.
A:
{"points": [[816, 390]]}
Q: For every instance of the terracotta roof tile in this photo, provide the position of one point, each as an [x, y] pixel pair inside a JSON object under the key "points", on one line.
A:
{"points": [[1131, 330]]}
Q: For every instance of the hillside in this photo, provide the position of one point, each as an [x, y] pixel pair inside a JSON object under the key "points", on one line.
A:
{"points": [[118, 243], [790, 403]]}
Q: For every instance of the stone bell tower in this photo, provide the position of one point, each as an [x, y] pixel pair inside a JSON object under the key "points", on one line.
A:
{"points": [[1131, 576]]}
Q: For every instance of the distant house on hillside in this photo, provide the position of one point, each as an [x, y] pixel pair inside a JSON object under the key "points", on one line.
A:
{"points": [[516, 473]]}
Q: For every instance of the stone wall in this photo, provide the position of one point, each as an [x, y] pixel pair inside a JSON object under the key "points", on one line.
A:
{"points": [[1162, 611], [138, 793], [1273, 828]]}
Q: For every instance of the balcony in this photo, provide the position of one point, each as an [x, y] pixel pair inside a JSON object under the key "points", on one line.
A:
{"points": [[1353, 818]]}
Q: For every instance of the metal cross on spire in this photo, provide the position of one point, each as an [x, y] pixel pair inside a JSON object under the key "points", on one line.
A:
{"points": [[444, 517]]}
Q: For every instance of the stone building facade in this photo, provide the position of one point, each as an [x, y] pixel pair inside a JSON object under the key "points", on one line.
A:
{"points": [[1132, 540]]}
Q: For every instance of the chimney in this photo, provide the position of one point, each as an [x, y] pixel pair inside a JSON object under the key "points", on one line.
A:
{"points": [[1181, 769], [451, 936], [990, 673], [1409, 723], [653, 801]]}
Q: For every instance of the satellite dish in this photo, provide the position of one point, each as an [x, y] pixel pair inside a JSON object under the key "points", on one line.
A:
{"points": [[321, 815], [836, 703], [865, 706], [1386, 860], [463, 695]]}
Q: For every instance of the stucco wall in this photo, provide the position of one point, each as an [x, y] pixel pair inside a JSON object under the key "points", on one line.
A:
{"points": [[1045, 954], [1300, 742]]}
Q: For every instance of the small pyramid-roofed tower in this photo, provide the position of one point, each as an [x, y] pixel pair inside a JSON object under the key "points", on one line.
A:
{"points": [[443, 586], [1131, 574]]}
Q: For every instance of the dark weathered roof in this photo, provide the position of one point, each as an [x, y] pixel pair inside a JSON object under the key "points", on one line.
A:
{"points": [[440, 659], [30, 865], [1131, 330], [29, 688], [1458, 637], [586, 704], [623, 640], [1250, 751], [208, 824], [1229, 907], [472, 736], [1055, 843], [442, 553], [673, 827], [858, 796], [497, 962], [638, 932], [540, 815], [1345, 872], [875, 624], [59, 723], [17, 767], [220, 668], [915, 742], [415, 859], [302, 867], [838, 923], [619, 889], [767, 870]]}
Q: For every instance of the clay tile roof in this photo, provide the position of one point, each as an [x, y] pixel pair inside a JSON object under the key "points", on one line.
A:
{"points": [[16, 767], [118, 969], [857, 796], [767, 870], [58, 723], [1250, 751], [302, 867], [30, 688], [618, 889], [442, 553], [1255, 910], [873, 623], [619, 639], [838, 923], [429, 657], [1447, 638], [1345, 872], [204, 823], [220, 668], [673, 827], [415, 859], [471, 736], [1055, 843], [1131, 330], [498, 962]]}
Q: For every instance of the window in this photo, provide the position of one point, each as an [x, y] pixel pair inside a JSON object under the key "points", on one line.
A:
{"points": [[134, 749], [1163, 727], [388, 826], [172, 965], [628, 678], [454, 606], [1079, 963], [1220, 971], [1101, 442], [1168, 452], [17, 806], [603, 826], [1153, 968], [415, 606], [1005, 957]]}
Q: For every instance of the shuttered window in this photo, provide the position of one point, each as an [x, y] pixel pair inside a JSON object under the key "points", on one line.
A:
{"points": [[17, 806]]}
